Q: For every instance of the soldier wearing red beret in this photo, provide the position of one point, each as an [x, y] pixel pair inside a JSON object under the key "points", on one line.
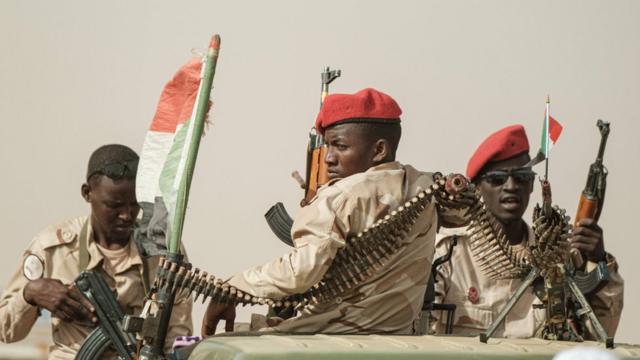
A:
{"points": [[362, 132], [499, 169]]}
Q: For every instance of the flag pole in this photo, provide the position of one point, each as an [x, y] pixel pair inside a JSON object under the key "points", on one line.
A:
{"points": [[547, 139], [201, 111]]}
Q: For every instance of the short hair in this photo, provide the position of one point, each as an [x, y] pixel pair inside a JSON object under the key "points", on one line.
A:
{"points": [[389, 131], [113, 154]]}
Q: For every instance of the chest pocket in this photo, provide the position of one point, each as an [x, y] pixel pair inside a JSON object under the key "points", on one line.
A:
{"points": [[129, 289], [472, 317], [469, 316]]}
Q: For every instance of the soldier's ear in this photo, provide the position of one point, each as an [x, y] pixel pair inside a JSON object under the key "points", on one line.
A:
{"points": [[85, 191], [381, 150]]}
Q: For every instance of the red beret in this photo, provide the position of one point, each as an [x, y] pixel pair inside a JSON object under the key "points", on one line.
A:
{"points": [[368, 105], [500, 145]]}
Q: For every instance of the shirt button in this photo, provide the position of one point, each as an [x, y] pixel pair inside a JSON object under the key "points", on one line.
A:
{"points": [[67, 235]]}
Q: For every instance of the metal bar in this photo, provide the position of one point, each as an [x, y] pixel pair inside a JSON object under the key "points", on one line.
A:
{"points": [[602, 333], [484, 336]]}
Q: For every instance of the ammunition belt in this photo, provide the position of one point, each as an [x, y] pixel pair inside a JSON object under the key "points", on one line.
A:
{"points": [[354, 263], [497, 259], [548, 251]]}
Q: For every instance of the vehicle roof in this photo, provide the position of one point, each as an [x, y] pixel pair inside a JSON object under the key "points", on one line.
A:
{"points": [[282, 347]]}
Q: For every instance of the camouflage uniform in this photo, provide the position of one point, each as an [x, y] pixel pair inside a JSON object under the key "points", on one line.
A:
{"points": [[479, 299], [391, 299], [57, 248]]}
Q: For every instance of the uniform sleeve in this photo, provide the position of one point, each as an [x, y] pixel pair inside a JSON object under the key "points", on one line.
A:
{"points": [[607, 303], [16, 315], [318, 232]]}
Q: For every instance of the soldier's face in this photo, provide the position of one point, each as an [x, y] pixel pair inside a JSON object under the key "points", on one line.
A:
{"points": [[507, 201], [113, 207], [349, 151]]}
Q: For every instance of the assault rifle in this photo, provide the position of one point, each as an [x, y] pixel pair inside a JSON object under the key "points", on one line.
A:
{"points": [[590, 207], [277, 217], [110, 320], [592, 197], [118, 331]]}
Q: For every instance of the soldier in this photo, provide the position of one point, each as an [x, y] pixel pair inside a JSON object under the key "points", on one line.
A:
{"points": [[100, 242], [498, 168], [362, 131]]}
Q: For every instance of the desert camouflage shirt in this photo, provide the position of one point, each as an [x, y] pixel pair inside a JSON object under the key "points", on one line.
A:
{"points": [[386, 303], [56, 249], [479, 299]]}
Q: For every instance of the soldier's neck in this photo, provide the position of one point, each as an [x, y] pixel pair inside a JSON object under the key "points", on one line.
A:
{"points": [[515, 231], [102, 239]]}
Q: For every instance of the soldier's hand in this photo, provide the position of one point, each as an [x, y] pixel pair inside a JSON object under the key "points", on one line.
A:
{"points": [[64, 302], [216, 312], [586, 236]]}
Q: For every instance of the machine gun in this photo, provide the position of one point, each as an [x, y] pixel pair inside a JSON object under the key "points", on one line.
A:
{"points": [[277, 217], [564, 287]]}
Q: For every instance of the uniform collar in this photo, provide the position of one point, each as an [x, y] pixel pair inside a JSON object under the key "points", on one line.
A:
{"points": [[96, 257], [392, 165]]}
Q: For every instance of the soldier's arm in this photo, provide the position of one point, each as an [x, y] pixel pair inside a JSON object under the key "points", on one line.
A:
{"points": [[318, 233], [587, 237], [17, 316], [607, 303]]}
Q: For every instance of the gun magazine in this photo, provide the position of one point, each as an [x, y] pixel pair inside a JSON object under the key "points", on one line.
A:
{"points": [[280, 222]]}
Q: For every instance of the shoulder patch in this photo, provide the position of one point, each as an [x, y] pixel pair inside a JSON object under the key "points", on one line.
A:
{"points": [[33, 267], [444, 235], [62, 233], [62, 236], [65, 236]]}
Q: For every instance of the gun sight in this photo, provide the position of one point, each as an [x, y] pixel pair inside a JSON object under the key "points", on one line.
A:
{"points": [[329, 75], [603, 126]]}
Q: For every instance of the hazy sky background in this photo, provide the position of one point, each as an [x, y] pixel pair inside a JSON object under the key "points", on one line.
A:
{"points": [[79, 74]]}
